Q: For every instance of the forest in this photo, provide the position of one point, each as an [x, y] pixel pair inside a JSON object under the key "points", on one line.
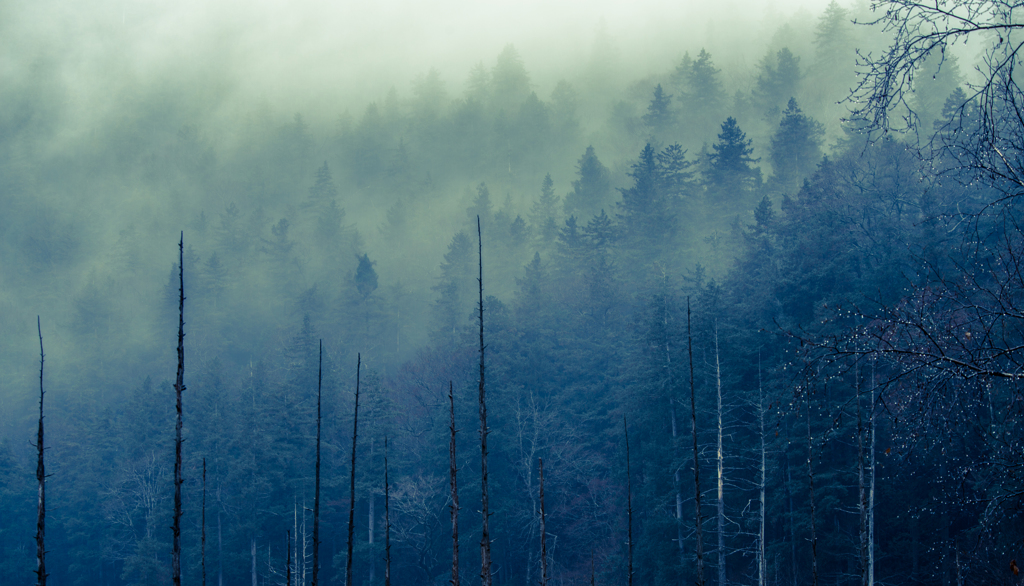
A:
{"points": [[746, 307]]}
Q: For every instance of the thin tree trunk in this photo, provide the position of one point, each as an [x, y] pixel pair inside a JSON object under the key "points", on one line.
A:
{"points": [[593, 571], [252, 550], [485, 537], [40, 475], [810, 482], [352, 483], [675, 435], [761, 566], [452, 472], [371, 516], [871, 490], [862, 497], [387, 518], [721, 470], [696, 454], [316, 489], [543, 531], [220, 547], [179, 388], [629, 508], [203, 524]]}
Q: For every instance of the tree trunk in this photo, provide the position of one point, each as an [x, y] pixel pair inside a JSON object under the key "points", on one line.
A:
{"points": [[696, 455], [352, 482], [761, 566], [203, 525], [40, 475], [543, 532], [316, 489], [452, 472], [179, 388], [675, 436], [485, 537], [252, 550], [371, 516], [862, 500], [810, 484], [387, 518], [721, 470], [629, 508], [871, 490], [220, 548]]}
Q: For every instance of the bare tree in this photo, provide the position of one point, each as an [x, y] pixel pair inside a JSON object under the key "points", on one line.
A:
{"points": [[543, 529], [452, 473], [387, 518], [40, 475], [629, 508], [352, 479], [721, 469], [485, 536], [179, 388], [698, 521], [316, 490], [203, 525]]}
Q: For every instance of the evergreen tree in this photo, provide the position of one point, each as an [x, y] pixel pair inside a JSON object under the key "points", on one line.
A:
{"points": [[659, 117], [777, 82], [366, 277], [704, 98], [509, 80], [795, 148], [544, 215], [592, 191], [730, 174]]}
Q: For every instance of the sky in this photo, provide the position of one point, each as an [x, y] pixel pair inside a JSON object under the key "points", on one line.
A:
{"points": [[309, 54]]}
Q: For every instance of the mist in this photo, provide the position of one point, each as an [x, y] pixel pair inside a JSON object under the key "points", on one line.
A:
{"points": [[677, 206]]}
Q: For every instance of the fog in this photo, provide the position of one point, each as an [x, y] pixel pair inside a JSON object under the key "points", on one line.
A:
{"points": [[326, 165]]}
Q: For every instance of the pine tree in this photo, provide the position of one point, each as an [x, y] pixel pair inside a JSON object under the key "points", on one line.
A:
{"points": [[795, 148], [592, 191], [730, 174], [659, 117]]}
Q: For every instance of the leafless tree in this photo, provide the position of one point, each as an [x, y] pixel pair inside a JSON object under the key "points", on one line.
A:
{"points": [[40, 475], [179, 388]]}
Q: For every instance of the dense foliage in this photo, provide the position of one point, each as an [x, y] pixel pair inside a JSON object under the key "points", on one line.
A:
{"points": [[808, 283]]}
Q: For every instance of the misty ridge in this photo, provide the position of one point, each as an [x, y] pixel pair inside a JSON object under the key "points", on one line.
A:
{"points": [[747, 284]]}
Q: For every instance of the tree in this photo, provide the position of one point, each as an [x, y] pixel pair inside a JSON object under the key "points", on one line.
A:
{"points": [[352, 477], [40, 476], [544, 215], [704, 96], [485, 539], [179, 388], [778, 81], [509, 79], [659, 116], [592, 190], [365, 277], [795, 148], [730, 174]]}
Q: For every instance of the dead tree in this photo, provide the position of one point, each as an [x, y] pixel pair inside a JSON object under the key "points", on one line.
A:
{"points": [[352, 480], [721, 469], [696, 454], [485, 537], [543, 529], [862, 500], [387, 518], [179, 388], [452, 472], [629, 511], [40, 476], [203, 524], [761, 561], [810, 483], [316, 490]]}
